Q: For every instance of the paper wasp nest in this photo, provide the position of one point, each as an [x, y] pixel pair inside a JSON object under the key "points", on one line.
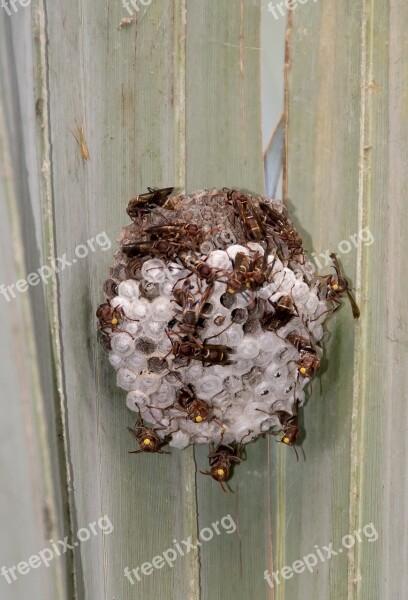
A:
{"points": [[212, 299]]}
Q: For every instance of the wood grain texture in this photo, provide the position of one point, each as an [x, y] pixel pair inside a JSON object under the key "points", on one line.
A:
{"points": [[122, 85], [174, 98], [32, 499], [135, 92], [347, 102]]}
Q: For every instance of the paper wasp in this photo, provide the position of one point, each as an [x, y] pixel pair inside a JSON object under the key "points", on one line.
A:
{"points": [[221, 459], [175, 232], [282, 230], [145, 203], [192, 348], [251, 222], [309, 362], [192, 310], [336, 286], [162, 248], [289, 428], [147, 438], [110, 317], [248, 273], [284, 311]]}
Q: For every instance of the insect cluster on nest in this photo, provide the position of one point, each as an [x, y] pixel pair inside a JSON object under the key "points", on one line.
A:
{"points": [[212, 321]]}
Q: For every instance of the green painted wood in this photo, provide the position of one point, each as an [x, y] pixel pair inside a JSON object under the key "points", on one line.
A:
{"points": [[174, 98], [32, 503], [224, 148], [347, 143], [383, 382], [323, 153]]}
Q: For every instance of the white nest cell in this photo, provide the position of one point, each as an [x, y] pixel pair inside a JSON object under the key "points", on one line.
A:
{"points": [[123, 344]]}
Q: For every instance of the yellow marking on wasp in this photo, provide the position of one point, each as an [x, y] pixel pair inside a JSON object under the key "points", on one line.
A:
{"points": [[303, 370], [286, 440], [114, 321], [198, 419], [220, 472], [147, 442]]}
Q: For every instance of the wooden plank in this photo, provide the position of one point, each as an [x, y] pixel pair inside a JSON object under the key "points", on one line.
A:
{"points": [[380, 479], [32, 500], [318, 495], [224, 148], [350, 117], [126, 87]]}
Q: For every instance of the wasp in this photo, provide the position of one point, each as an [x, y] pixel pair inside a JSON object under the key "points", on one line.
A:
{"points": [[248, 273], [283, 231], [197, 410], [198, 266], [192, 310], [110, 317], [336, 285], [175, 231], [284, 311], [309, 362], [145, 203], [289, 428], [192, 348], [221, 459], [147, 439], [251, 222], [160, 248]]}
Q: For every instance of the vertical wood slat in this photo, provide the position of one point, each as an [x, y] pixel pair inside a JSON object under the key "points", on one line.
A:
{"points": [[346, 147], [33, 498], [323, 170], [224, 148], [127, 87], [122, 84], [381, 568]]}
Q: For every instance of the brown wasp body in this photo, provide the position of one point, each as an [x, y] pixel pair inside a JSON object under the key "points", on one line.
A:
{"points": [[192, 348], [289, 428], [221, 460], [197, 410], [284, 311], [145, 203], [109, 317], [175, 232], [309, 362], [252, 225], [147, 439], [160, 248], [248, 273], [336, 286], [192, 309], [282, 230], [198, 266]]}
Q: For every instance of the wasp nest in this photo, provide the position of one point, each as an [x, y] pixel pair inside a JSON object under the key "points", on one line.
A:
{"points": [[213, 318]]}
